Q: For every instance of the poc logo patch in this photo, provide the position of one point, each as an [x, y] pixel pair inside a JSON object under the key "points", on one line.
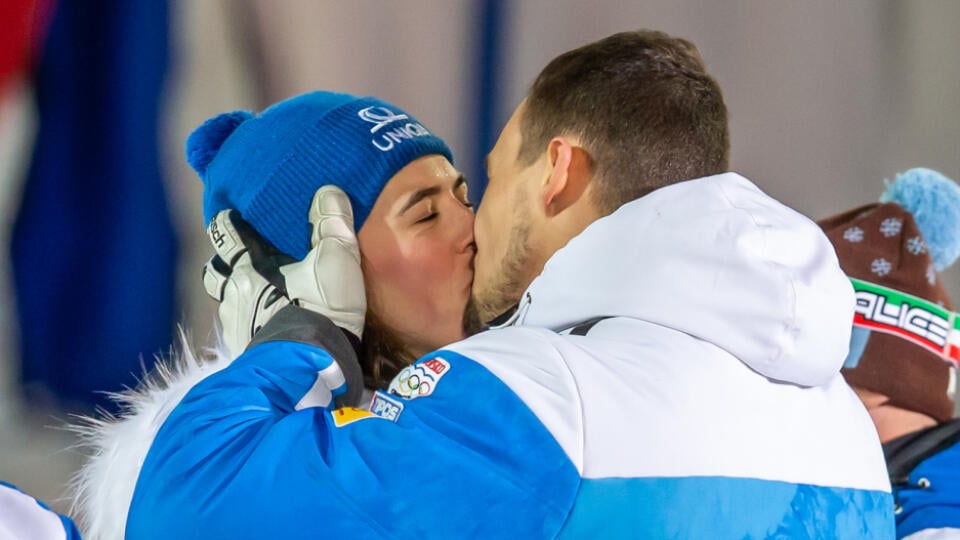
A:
{"points": [[419, 380], [386, 407]]}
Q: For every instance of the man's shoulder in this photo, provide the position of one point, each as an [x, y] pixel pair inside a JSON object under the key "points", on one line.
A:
{"points": [[531, 361], [513, 341], [518, 356], [568, 364], [530, 364]]}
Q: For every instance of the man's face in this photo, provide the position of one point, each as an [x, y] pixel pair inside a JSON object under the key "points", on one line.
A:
{"points": [[503, 225], [891, 421]]}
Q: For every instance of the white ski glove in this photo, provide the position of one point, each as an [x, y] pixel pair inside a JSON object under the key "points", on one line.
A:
{"points": [[329, 280], [265, 295], [247, 298], [252, 281]]}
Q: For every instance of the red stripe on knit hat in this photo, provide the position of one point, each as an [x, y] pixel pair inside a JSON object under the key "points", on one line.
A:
{"points": [[950, 355]]}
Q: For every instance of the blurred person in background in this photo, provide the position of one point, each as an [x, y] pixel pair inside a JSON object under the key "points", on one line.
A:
{"points": [[635, 278], [22, 22], [93, 224], [93, 75], [906, 341]]}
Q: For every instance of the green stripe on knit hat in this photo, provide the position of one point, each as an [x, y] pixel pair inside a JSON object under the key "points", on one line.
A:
{"points": [[919, 321]]}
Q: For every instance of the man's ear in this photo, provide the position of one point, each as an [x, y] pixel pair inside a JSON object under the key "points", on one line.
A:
{"points": [[568, 175]]}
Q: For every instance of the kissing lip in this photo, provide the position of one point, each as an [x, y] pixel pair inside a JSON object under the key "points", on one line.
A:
{"points": [[472, 250]]}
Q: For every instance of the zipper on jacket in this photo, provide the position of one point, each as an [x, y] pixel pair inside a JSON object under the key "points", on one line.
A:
{"points": [[517, 318]]}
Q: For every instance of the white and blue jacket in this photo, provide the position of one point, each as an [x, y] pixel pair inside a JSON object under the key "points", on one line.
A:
{"points": [[925, 472], [708, 404], [23, 517]]}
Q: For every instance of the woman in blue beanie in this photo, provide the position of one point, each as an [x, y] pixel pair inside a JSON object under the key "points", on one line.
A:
{"points": [[414, 225], [417, 260]]}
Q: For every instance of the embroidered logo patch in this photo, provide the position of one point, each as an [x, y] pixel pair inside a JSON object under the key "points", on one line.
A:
{"points": [[419, 380], [386, 407]]}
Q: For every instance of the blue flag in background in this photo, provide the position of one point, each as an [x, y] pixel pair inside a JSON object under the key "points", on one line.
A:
{"points": [[93, 250]]}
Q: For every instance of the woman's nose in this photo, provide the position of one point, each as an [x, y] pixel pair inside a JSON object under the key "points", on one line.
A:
{"points": [[464, 228]]}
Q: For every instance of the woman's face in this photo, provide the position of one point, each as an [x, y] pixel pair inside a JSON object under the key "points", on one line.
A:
{"points": [[416, 249]]}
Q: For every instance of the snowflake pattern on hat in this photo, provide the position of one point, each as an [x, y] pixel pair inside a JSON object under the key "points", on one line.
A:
{"points": [[853, 234], [916, 246], [909, 236], [881, 267], [891, 226]]}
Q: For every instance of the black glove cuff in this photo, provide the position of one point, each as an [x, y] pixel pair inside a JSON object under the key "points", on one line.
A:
{"points": [[294, 323]]}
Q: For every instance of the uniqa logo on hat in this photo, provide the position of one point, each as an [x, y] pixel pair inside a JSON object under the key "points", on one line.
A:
{"points": [[381, 117]]}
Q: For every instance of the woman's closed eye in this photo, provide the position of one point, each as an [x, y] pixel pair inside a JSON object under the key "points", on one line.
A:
{"points": [[428, 217]]}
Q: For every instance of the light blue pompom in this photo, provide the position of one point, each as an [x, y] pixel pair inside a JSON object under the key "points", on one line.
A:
{"points": [[934, 201]]}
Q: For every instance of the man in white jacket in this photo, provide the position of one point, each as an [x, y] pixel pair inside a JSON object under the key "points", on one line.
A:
{"points": [[670, 370]]}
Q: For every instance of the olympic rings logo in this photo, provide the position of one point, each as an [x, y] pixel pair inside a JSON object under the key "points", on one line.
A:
{"points": [[419, 380], [413, 384]]}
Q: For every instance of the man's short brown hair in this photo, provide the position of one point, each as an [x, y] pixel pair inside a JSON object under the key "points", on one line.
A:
{"points": [[642, 105]]}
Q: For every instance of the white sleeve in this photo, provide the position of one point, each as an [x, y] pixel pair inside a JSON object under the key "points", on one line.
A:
{"points": [[23, 517]]}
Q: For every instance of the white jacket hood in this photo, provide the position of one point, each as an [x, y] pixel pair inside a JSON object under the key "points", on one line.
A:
{"points": [[717, 259]]}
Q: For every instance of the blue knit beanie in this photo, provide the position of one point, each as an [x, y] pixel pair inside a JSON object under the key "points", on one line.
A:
{"points": [[268, 166]]}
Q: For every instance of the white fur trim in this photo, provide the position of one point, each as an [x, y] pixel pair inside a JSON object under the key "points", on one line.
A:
{"points": [[116, 446]]}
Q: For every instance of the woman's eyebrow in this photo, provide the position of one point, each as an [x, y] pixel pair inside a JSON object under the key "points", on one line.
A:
{"points": [[418, 196], [422, 194]]}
